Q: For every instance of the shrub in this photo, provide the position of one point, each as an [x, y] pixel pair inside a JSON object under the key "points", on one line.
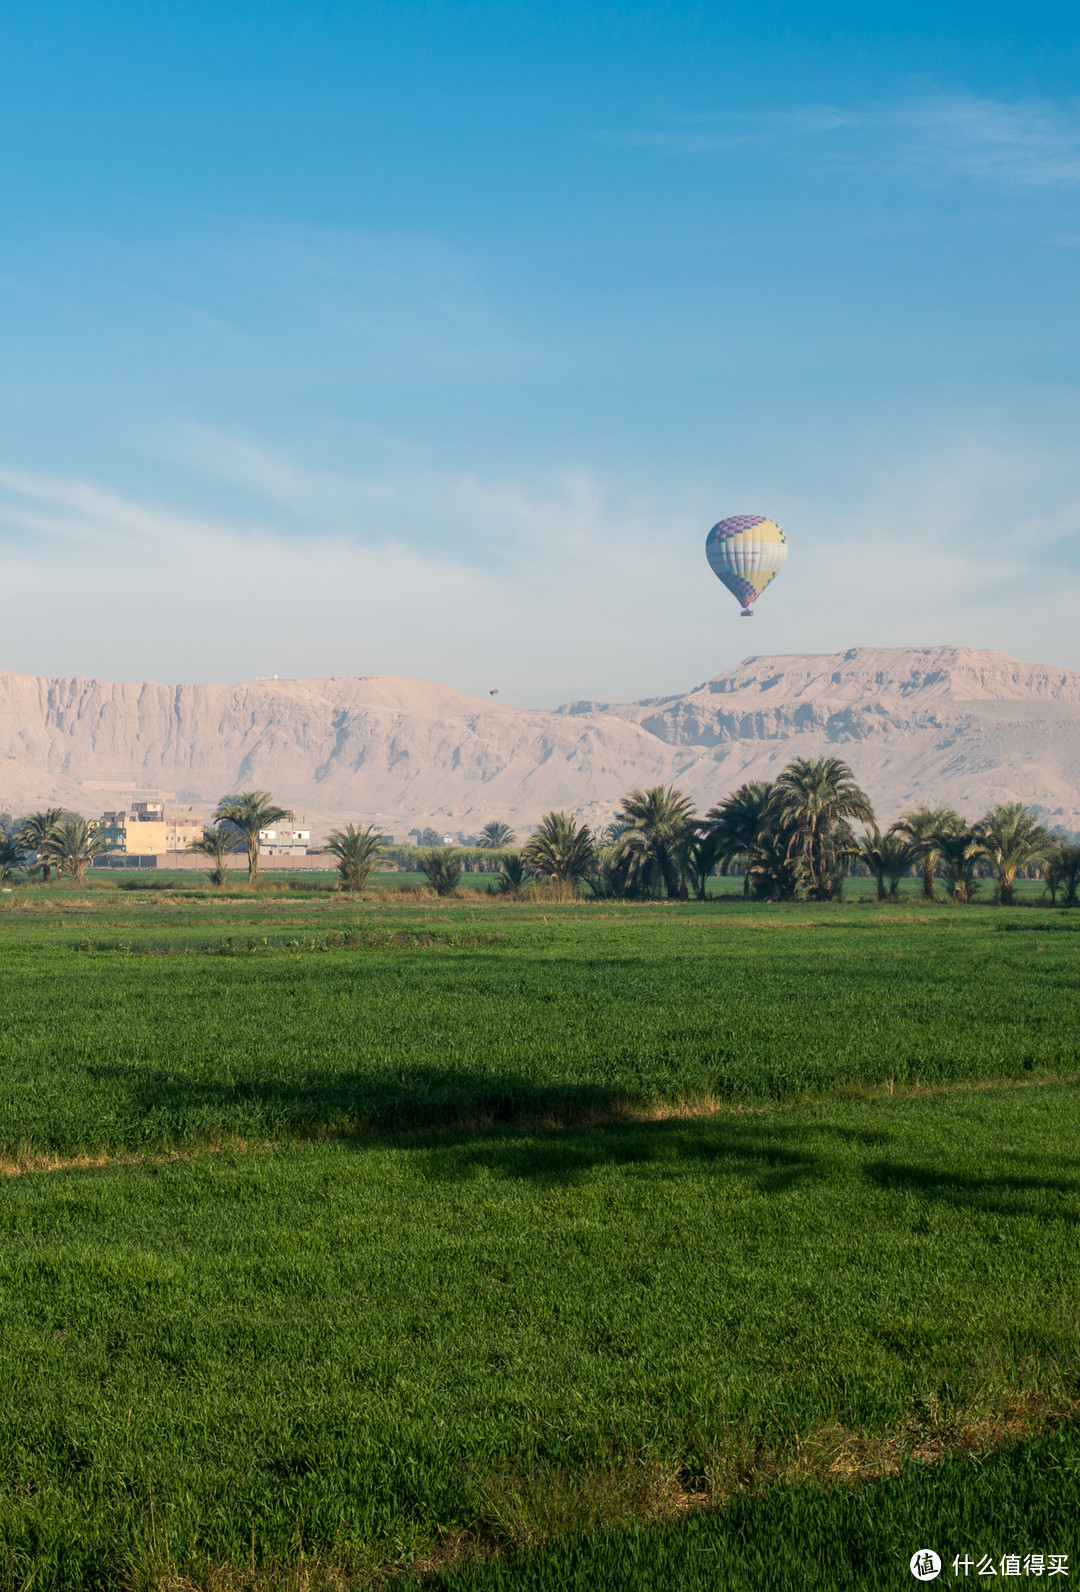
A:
{"points": [[443, 870], [357, 851]]}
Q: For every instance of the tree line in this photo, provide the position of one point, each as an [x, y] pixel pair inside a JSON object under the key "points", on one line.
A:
{"points": [[66, 843], [60, 842], [495, 836], [55, 841], [792, 838]]}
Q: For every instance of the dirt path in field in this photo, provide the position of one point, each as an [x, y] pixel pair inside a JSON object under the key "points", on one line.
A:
{"points": [[518, 1513]]}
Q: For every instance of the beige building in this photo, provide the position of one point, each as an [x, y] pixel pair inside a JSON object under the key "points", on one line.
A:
{"points": [[146, 829], [183, 825], [135, 833]]}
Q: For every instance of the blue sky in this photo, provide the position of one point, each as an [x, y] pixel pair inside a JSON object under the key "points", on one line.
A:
{"points": [[431, 339]]}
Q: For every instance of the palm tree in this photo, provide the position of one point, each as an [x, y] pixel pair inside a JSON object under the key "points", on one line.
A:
{"points": [[248, 812], [357, 852], [959, 851], [654, 847], [900, 857], [1063, 868], [560, 850], [812, 798], [511, 876], [9, 855], [36, 834], [73, 846], [443, 870], [888, 857], [496, 835], [219, 845], [704, 855], [734, 825], [1012, 838], [920, 827]]}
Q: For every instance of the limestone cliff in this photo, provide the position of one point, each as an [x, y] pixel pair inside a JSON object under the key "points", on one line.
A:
{"points": [[939, 724]]}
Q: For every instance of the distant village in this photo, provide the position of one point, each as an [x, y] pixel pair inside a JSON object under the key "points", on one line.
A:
{"points": [[149, 833]]}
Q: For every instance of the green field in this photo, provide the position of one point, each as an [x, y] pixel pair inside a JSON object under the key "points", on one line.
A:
{"points": [[151, 1022], [361, 1236], [973, 1507], [857, 887]]}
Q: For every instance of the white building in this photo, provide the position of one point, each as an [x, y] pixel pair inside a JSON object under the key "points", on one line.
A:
{"points": [[284, 842]]}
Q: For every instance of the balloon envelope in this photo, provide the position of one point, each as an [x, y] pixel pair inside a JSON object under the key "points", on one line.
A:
{"points": [[746, 552]]}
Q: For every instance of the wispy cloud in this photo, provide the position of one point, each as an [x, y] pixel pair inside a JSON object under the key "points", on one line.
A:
{"points": [[90, 514], [1025, 144], [549, 589], [734, 131], [542, 589]]}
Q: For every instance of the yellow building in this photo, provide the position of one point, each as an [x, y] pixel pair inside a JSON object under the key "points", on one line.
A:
{"points": [[132, 834], [144, 837], [145, 828]]}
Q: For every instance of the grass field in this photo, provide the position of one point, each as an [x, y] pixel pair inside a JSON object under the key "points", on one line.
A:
{"points": [[153, 1023], [421, 1231], [1031, 892], [973, 1507]]}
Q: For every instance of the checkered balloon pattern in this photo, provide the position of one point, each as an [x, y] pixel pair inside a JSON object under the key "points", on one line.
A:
{"points": [[746, 552]]}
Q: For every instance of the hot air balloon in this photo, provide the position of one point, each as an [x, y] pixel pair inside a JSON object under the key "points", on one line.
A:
{"points": [[746, 552]]}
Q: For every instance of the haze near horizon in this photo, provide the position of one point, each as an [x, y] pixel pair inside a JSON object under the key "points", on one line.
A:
{"points": [[431, 341], [937, 725]]}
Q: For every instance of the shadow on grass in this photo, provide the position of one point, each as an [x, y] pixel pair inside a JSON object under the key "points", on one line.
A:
{"points": [[470, 1124], [771, 1157], [417, 1099], [354, 1104], [999, 1193]]}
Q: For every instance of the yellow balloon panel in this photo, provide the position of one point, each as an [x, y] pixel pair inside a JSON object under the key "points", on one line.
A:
{"points": [[746, 552]]}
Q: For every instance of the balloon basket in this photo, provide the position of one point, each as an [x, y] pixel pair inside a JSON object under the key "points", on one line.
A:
{"points": [[747, 613]]}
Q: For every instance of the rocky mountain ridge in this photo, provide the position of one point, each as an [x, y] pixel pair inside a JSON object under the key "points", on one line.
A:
{"points": [[937, 724]]}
